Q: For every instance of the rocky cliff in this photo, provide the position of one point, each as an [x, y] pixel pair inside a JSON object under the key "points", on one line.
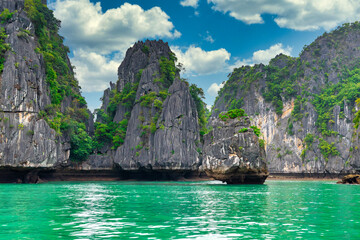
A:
{"points": [[157, 126], [40, 101], [304, 106], [233, 152], [151, 123]]}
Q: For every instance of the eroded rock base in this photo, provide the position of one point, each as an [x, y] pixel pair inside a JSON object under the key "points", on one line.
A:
{"points": [[246, 178], [161, 175], [350, 179], [15, 175]]}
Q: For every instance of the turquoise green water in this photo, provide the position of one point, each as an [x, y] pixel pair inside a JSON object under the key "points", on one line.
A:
{"points": [[179, 210]]}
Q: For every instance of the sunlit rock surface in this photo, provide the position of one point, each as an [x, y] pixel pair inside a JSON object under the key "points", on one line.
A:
{"points": [[232, 156]]}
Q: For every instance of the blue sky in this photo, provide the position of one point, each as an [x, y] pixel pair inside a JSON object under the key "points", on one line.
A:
{"points": [[210, 37]]}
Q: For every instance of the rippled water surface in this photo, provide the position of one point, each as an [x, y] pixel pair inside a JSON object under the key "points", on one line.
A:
{"points": [[180, 210]]}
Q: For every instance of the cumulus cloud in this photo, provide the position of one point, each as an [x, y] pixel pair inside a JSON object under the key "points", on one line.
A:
{"points": [[294, 14], [197, 61], [214, 89], [263, 56], [190, 3], [95, 71], [99, 39], [85, 25]]}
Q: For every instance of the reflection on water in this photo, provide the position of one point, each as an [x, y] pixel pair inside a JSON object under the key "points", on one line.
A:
{"points": [[92, 203], [206, 210]]}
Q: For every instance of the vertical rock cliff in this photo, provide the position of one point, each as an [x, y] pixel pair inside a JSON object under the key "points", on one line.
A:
{"points": [[155, 116], [151, 124], [39, 94], [304, 106], [233, 152]]}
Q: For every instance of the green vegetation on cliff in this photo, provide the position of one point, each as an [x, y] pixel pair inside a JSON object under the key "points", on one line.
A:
{"points": [[153, 100], [108, 132], [5, 16], [81, 143], [4, 47], [197, 95], [59, 74], [168, 70], [61, 81], [256, 130], [326, 149], [126, 98], [280, 83], [322, 85], [232, 114], [357, 115], [347, 90], [325, 78]]}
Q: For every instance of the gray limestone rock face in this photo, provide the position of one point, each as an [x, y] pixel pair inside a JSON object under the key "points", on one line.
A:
{"points": [[284, 148], [98, 162], [175, 143], [12, 5], [25, 139], [28, 142], [156, 139], [23, 81], [232, 156], [178, 142], [140, 56]]}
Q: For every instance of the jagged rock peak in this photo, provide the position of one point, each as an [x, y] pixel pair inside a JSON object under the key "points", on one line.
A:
{"points": [[168, 136], [139, 57], [12, 5], [281, 60]]}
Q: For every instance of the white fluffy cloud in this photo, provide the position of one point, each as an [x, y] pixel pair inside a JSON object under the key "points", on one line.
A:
{"points": [[95, 71], [293, 14], [190, 3], [197, 61], [263, 56], [214, 89], [98, 38], [85, 25]]}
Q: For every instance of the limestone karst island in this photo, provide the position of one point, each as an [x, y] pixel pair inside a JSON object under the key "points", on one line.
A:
{"points": [[216, 120]]}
